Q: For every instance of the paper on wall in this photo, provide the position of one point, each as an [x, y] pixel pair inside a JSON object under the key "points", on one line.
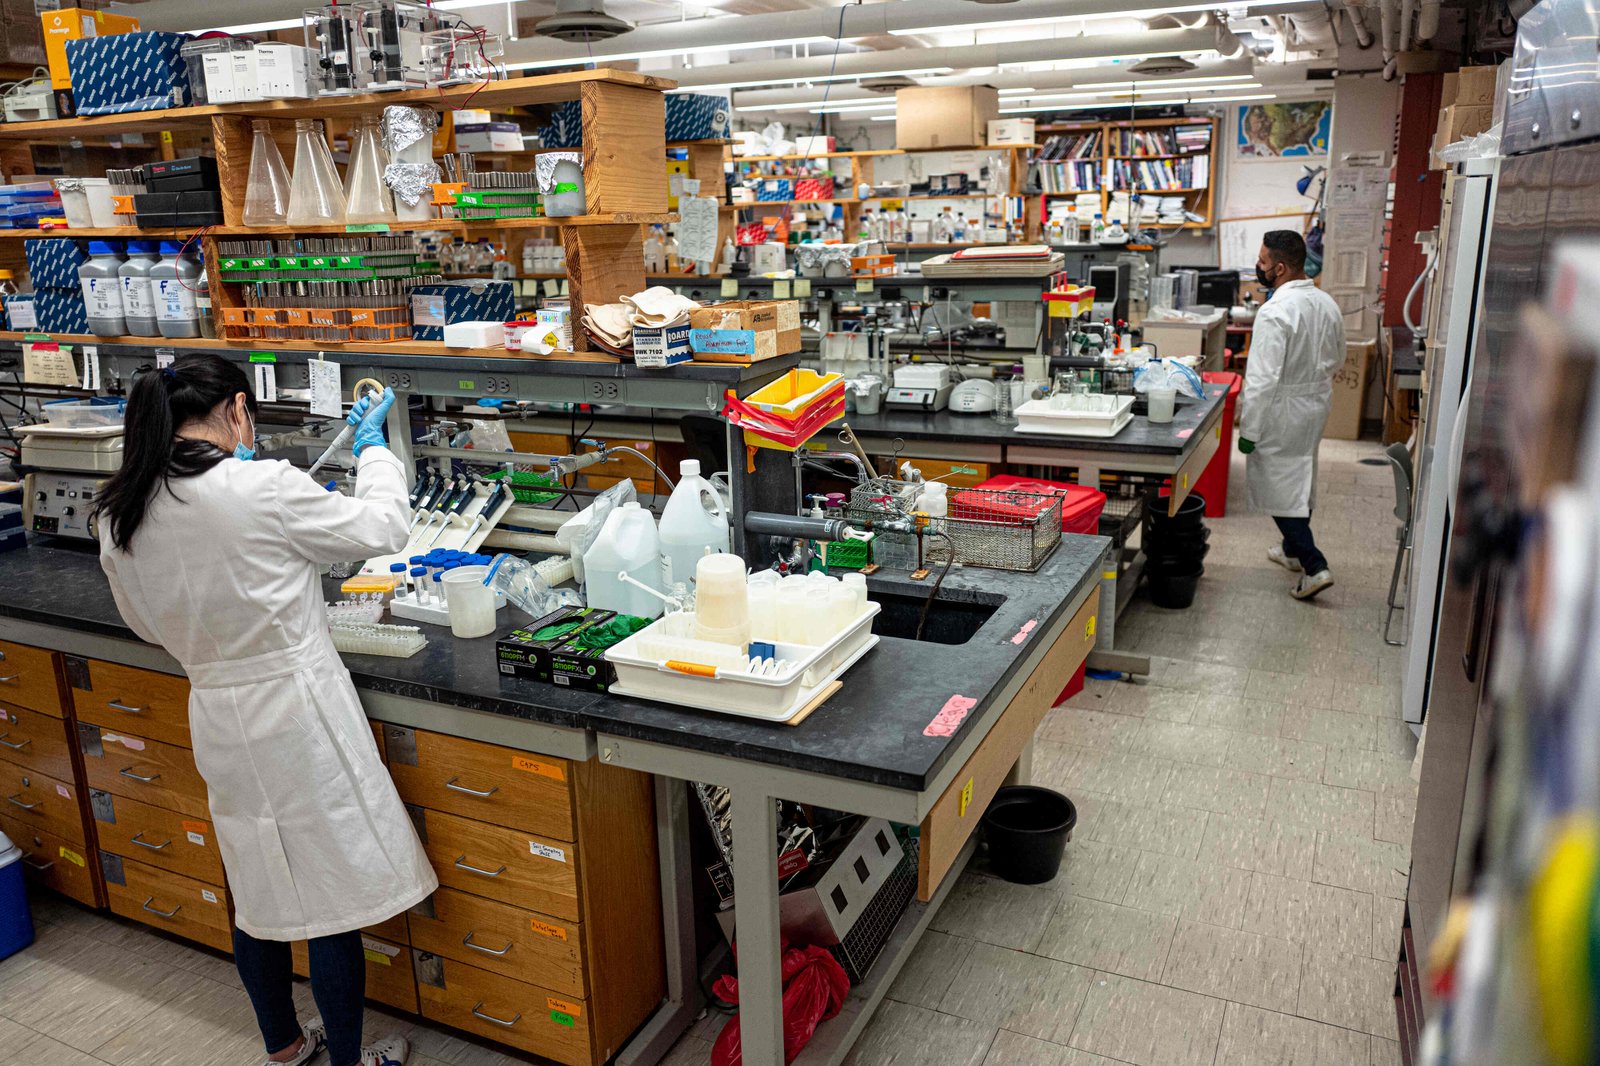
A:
{"points": [[326, 394], [697, 228], [49, 364]]}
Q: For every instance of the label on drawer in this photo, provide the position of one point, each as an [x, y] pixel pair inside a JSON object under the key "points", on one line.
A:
{"points": [[61, 790], [378, 947], [563, 1007], [377, 957], [555, 932], [110, 866], [196, 839], [131, 743], [562, 1019], [208, 895], [73, 857], [546, 851], [196, 832], [534, 766]]}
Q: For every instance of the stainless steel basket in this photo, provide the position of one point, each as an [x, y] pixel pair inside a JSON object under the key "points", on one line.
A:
{"points": [[995, 528]]}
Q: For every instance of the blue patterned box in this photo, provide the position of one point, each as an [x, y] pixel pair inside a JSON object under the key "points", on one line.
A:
{"points": [[60, 310], [435, 306], [565, 129], [698, 117], [128, 72], [775, 189], [54, 263]]}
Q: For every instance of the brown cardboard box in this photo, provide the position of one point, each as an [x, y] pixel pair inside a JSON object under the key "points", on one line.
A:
{"points": [[70, 24], [1474, 86], [944, 116], [1349, 393], [1456, 122], [776, 324]]}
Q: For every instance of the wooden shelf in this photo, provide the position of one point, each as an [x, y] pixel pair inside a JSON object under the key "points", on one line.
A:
{"points": [[1103, 158], [825, 155], [1075, 192], [1167, 155], [263, 343], [615, 218], [1144, 190]]}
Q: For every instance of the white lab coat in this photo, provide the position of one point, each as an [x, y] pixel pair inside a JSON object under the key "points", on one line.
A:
{"points": [[1296, 347], [312, 833]]}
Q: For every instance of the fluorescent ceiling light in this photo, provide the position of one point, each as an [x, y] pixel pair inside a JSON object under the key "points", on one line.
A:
{"points": [[615, 57], [1024, 91], [1152, 83], [839, 109], [999, 21], [1135, 102], [1073, 64], [777, 82], [1153, 90], [884, 118]]}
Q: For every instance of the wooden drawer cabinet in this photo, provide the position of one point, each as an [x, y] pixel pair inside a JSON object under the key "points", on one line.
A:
{"points": [[149, 771], [481, 781], [41, 801], [526, 1016], [519, 944], [389, 977], [393, 929], [53, 861], [155, 706], [552, 444], [28, 678], [958, 475], [168, 901], [155, 835], [499, 863], [35, 740]]}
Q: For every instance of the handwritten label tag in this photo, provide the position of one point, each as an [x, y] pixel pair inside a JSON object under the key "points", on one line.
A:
{"points": [[326, 394], [377, 957], [563, 1006], [73, 857], [551, 287], [61, 790], [562, 1019], [730, 287], [1027, 627], [534, 766], [950, 716], [554, 932], [196, 839], [802, 288], [131, 743], [545, 851], [781, 288], [208, 895], [863, 284]]}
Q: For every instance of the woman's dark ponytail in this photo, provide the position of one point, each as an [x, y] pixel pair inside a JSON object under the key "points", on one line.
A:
{"points": [[160, 402]]}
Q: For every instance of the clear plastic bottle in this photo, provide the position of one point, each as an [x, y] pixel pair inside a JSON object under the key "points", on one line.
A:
{"points": [[138, 292], [1098, 229], [202, 301], [902, 225], [176, 279], [367, 198], [944, 227], [102, 290], [869, 226], [266, 198], [315, 195]]}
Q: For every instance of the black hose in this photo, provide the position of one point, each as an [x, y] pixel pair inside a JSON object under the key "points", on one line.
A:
{"points": [[933, 593]]}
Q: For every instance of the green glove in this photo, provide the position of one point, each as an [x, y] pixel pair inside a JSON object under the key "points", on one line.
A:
{"points": [[1246, 446]]}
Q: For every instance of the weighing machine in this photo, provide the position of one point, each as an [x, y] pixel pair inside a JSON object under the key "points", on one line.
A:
{"points": [[922, 386], [73, 463]]}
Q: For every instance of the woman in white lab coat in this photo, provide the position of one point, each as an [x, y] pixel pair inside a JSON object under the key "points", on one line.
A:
{"points": [[215, 558]]}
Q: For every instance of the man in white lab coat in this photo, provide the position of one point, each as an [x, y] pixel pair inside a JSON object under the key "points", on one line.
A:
{"points": [[1296, 347]]}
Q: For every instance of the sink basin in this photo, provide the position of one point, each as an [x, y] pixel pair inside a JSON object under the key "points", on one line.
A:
{"points": [[950, 621]]}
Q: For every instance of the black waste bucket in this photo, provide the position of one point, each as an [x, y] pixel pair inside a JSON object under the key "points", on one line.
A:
{"points": [[1027, 829], [1190, 514], [1175, 590]]}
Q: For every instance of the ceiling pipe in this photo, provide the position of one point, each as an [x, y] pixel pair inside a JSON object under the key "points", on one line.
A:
{"points": [[1407, 10], [1312, 29], [1427, 20], [1357, 12]]}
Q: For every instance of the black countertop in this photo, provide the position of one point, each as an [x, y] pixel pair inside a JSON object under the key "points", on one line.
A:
{"points": [[871, 731]]}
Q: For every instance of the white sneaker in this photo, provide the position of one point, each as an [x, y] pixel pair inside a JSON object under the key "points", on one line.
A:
{"points": [[390, 1051], [1311, 584], [1284, 559], [316, 1036]]}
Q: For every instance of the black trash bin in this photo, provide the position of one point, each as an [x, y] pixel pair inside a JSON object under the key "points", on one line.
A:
{"points": [[1174, 589], [1027, 828]]}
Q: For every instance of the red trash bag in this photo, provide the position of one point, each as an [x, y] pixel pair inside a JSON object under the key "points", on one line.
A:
{"points": [[814, 988]]}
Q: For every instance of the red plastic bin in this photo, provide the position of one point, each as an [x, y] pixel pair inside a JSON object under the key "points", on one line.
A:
{"points": [[1080, 504], [1213, 480]]}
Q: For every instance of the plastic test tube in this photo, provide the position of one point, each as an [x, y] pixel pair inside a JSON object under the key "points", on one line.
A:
{"points": [[399, 572], [417, 574], [438, 587]]}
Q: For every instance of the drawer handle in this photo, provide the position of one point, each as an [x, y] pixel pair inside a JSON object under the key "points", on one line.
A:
{"points": [[15, 802], [147, 844], [10, 677], [487, 951], [462, 863], [453, 787], [476, 1013], [164, 914], [126, 771], [119, 706], [34, 864], [14, 747]]}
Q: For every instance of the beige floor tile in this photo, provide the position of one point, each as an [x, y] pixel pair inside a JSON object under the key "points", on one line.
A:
{"points": [[1230, 964], [997, 912], [1366, 865], [1255, 1037], [1215, 679], [1356, 698], [926, 976], [1351, 991], [1206, 788], [1394, 737], [1322, 807], [1322, 916], [1105, 936], [1292, 690], [1014, 1049], [1388, 919], [1183, 742], [1052, 763], [902, 1035], [39, 1050], [1025, 993], [686, 1052], [1096, 869], [1277, 757], [1152, 701], [452, 1049], [1370, 770], [207, 1024], [1258, 845], [1090, 729], [1169, 830], [1385, 1052], [1322, 726], [1136, 778], [1239, 714], [1150, 1025], [1212, 894]]}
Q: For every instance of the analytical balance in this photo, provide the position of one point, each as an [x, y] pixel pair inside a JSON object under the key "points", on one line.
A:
{"points": [[921, 386]]}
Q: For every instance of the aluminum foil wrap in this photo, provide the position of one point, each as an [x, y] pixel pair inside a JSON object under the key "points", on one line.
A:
{"points": [[69, 185], [545, 166], [410, 181], [405, 126]]}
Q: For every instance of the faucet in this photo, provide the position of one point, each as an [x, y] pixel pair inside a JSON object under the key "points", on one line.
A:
{"points": [[804, 456]]}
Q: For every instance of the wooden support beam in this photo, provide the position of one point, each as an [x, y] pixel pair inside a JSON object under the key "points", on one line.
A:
{"points": [[603, 264], [624, 141]]}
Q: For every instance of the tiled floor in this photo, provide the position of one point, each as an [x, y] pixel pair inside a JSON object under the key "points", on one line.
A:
{"points": [[1232, 896]]}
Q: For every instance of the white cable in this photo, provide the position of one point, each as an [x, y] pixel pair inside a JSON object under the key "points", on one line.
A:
{"points": [[662, 474], [1418, 333]]}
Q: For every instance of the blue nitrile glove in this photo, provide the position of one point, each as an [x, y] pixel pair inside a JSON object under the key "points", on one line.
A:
{"points": [[1246, 446], [368, 418]]}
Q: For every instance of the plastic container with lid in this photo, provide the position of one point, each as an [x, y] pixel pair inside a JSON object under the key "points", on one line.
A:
{"points": [[102, 290], [934, 502], [175, 280], [74, 194], [16, 920], [628, 543], [689, 528], [138, 291]]}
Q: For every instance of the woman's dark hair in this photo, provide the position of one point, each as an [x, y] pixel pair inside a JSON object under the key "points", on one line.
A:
{"points": [[159, 403]]}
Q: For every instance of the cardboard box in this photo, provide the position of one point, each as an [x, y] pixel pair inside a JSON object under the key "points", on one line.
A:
{"points": [[1349, 392], [812, 146], [129, 72], [1455, 123], [1011, 131], [1473, 86], [75, 23], [944, 116], [745, 331], [545, 651], [657, 349]]}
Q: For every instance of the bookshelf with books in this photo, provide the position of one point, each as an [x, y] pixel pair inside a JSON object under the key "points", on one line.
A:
{"points": [[1165, 160]]}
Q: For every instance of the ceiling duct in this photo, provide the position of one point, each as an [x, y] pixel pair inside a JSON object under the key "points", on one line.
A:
{"points": [[1162, 66], [581, 22], [890, 82]]}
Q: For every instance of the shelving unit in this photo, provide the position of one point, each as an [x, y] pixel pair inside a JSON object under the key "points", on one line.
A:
{"points": [[1198, 199]]}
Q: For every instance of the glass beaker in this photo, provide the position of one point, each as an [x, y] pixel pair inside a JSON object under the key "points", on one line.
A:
{"points": [[1004, 408], [367, 198], [315, 195], [266, 198]]}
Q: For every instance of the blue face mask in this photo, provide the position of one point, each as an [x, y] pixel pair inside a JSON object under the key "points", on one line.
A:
{"points": [[246, 452]]}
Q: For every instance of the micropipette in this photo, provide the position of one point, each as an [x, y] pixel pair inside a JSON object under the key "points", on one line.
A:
{"points": [[453, 512], [490, 506], [363, 387], [440, 487], [441, 505]]}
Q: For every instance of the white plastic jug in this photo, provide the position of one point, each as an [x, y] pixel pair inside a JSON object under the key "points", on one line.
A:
{"points": [[688, 527], [628, 543]]}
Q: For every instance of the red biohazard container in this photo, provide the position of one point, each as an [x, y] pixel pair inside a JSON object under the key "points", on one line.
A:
{"points": [[1213, 480], [1080, 504]]}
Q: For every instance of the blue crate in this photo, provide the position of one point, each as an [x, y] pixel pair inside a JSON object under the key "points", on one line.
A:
{"points": [[435, 306], [698, 117], [54, 263], [128, 72], [775, 189]]}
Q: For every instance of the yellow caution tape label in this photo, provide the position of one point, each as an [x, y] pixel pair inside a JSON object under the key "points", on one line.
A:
{"points": [[377, 957], [73, 857]]}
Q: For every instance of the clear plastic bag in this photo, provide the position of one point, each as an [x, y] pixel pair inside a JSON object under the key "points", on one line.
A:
{"points": [[522, 584], [1485, 145], [1166, 374]]}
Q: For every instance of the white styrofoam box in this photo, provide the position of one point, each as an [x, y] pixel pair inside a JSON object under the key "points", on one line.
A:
{"points": [[218, 67], [468, 116], [474, 334], [813, 146], [489, 137], [1011, 130], [282, 72], [246, 75], [1094, 415]]}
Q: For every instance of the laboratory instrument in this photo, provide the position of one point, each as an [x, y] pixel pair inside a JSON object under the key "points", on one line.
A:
{"points": [[922, 386], [975, 396], [364, 387]]}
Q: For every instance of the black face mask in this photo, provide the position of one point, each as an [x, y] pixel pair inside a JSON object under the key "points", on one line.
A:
{"points": [[1266, 282]]}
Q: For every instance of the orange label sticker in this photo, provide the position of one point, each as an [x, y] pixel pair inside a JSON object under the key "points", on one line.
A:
{"points": [[534, 766], [563, 1006], [555, 932], [73, 857], [195, 827]]}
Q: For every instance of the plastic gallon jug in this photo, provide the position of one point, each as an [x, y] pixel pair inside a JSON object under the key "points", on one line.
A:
{"points": [[688, 528], [176, 280], [16, 921], [138, 291], [102, 290], [628, 543]]}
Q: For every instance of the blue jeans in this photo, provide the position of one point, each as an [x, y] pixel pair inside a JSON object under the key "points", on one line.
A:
{"points": [[338, 984], [1298, 543]]}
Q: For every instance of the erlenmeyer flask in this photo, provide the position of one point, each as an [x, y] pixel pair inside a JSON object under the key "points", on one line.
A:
{"points": [[315, 195], [367, 198], [266, 199]]}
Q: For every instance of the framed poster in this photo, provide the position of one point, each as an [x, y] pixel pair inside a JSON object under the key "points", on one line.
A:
{"points": [[1283, 131]]}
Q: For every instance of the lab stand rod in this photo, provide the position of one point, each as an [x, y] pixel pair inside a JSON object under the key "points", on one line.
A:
{"points": [[397, 425]]}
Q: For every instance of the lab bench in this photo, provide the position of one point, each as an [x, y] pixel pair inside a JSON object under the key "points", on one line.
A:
{"points": [[557, 820]]}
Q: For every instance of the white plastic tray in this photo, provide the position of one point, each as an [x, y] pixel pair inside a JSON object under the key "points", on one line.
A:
{"points": [[772, 699], [1038, 416]]}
